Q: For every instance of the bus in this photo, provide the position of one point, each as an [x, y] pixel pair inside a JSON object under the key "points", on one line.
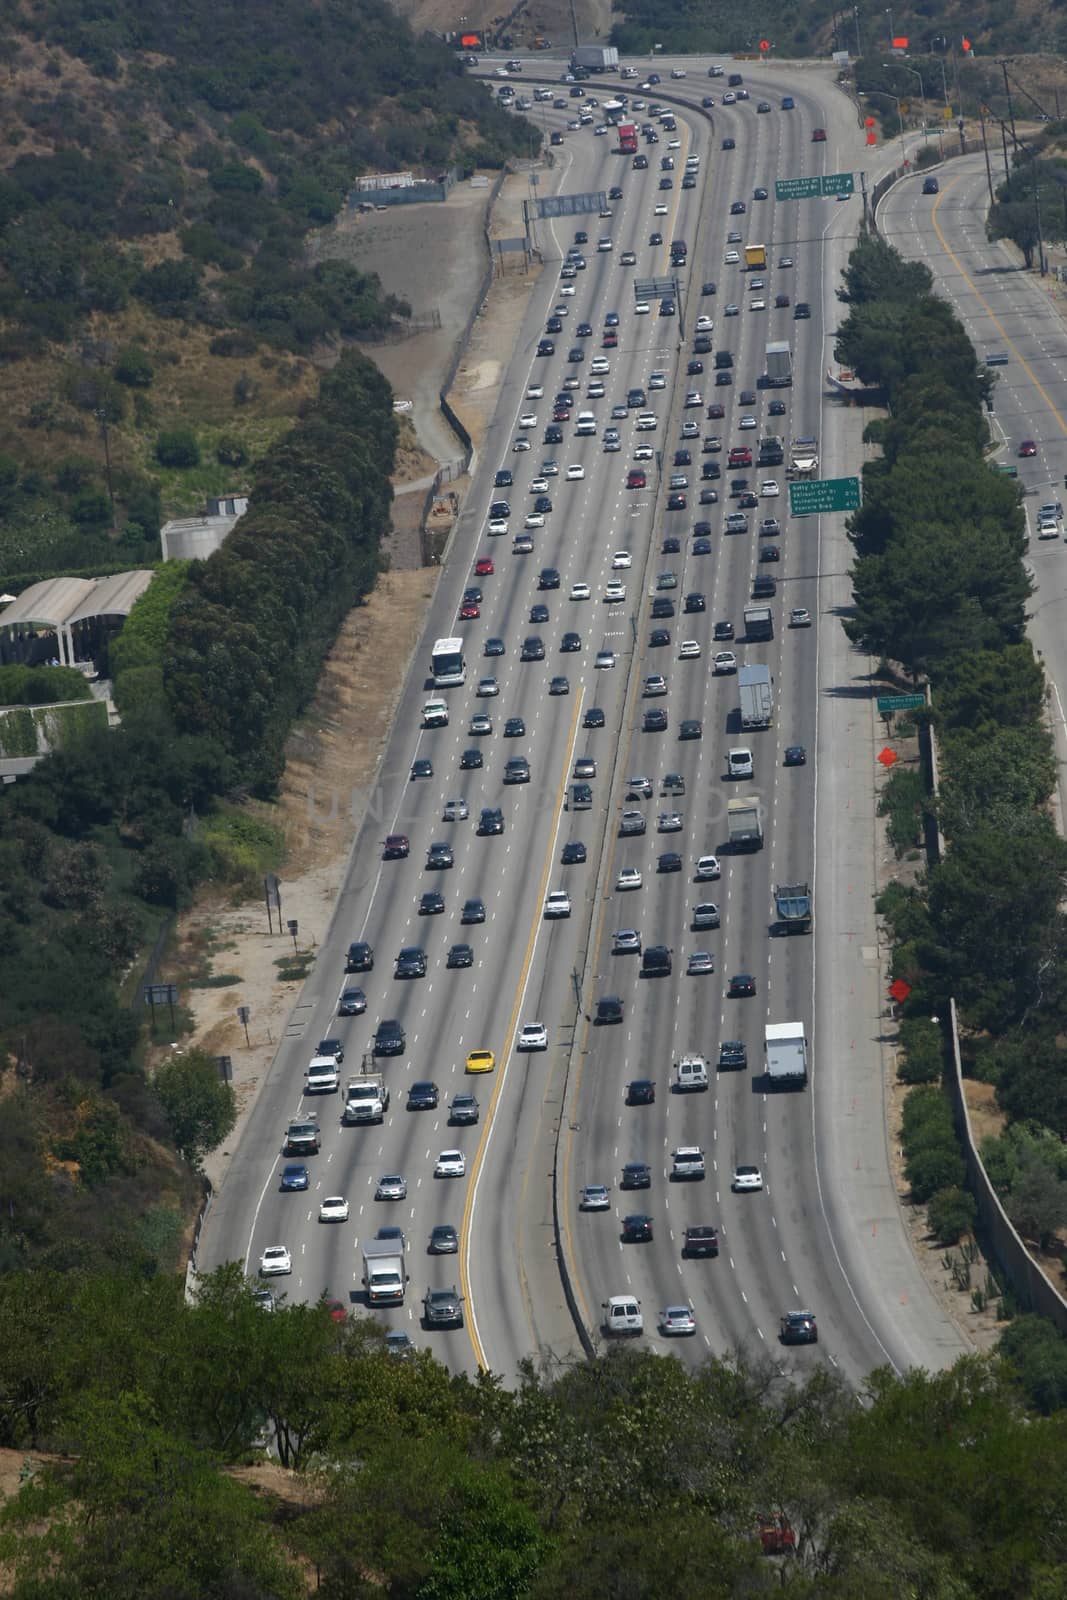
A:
{"points": [[447, 664]]}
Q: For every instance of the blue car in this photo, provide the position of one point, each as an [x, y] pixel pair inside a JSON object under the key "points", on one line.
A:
{"points": [[295, 1176]]}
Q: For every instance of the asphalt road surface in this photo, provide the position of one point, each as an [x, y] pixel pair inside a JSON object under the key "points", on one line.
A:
{"points": [[555, 1120]]}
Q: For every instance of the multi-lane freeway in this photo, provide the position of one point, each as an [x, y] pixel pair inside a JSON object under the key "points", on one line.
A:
{"points": [[553, 1121]]}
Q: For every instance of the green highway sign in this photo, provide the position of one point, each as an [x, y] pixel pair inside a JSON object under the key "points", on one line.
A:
{"points": [[888, 703], [797, 188], [809, 496], [839, 183]]}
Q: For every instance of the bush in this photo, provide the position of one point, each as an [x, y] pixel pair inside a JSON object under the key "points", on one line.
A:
{"points": [[920, 1057], [178, 448], [902, 800], [91, 509], [935, 1166], [134, 369], [950, 1213], [230, 451]]}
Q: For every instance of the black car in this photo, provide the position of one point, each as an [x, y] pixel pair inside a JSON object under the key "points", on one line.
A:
{"points": [[533, 648], [676, 501], [795, 755], [584, 330], [637, 1229], [538, 613], [662, 606], [764, 586], [701, 547], [732, 1055], [636, 1175], [546, 347], [494, 647], [723, 378], [683, 458], [641, 1092], [770, 552], [432, 903], [422, 768], [742, 986], [747, 397], [801, 311], [574, 853], [390, 1039], [695, 602], [470, 760], [490, 821], [460, 955], [669, 861], [700, 1240], [353, 1002], [548, 578], [360, 957], [671, 545], [570, 643], [691, 728], [729, 144], [655, 721], [554, 325], [659, 637], [553, 433], [594, 718], [655, 238], [656, 962], [473, 910], [410, 963], [723, 630], [737, 208], [575, 354], [504, 478], [694, 368], [609, 1010], [777, 408], [798, 1327], [543, 504], [514, 728], [423, 1097]]}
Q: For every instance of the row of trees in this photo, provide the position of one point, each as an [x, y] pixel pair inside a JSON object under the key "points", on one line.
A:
{"points": [[940, 588], [633, 1475]]}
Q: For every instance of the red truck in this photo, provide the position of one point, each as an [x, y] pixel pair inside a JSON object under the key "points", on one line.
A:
{"points": [[627, 138]]}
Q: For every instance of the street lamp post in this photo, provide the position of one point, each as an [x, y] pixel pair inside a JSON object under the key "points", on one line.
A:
{"points": [[900, 118], [922, 96], [889, 14]]}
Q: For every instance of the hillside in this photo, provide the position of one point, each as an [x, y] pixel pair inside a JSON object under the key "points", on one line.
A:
{"points": [[159, 169]]}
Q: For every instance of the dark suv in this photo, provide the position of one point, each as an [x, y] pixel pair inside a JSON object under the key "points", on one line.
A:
{"points": [[389, 1039], [360, 957]]}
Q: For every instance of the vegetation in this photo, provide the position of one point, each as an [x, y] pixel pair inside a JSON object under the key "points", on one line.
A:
{"points": [[634, 1475]]}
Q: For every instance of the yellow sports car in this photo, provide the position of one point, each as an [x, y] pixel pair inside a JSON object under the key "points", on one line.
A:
{"points": [[481, 1061]]}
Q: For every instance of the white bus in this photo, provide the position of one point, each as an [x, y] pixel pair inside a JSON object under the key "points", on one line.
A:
{"points": [[447, 663]]}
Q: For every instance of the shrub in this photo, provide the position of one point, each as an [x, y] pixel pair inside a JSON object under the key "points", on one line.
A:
{"points": [[950, 1213], [935, 1166], [177, 447], [920, 1051], [134, 369], [230, 451]]}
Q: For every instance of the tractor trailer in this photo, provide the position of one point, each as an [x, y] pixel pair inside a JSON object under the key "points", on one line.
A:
{"points": [[757, 697]]}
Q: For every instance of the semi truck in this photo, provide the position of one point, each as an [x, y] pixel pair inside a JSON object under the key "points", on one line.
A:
{"points": [[792, 908], [627, 138], [757, 696], [785, 1053], [778, 371], [384, 1276], [756, 257], [804, 457], [759, 623], [744, 825], [596, 57], [366, 1099]]}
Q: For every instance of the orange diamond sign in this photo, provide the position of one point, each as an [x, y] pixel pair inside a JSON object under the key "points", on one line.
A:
{"points": [[887, 757], [900, 990]]}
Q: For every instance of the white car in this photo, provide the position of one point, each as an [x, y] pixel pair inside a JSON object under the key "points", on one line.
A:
{"points": [[536, 391], [334, 1209], [573, 474], [534, 519], [621, 560], [644, 452], [732, 310], [487, 687], [725, 661], [645, 423], [451, 1164], [675, 144], [600, 365], [688, 650], [657, 380], [707, 869], [662, 209], [532, 1036], [595, 390], [669, 822], [731, 258], [628, 878], [746, 1178], [614, 592], [642, 308], [604, 244], [693, 399], [800, 617], [580, 591], [747, 422], [557, 904], [704, 324], [275, 1261], [739, 763], [528, 419], [563, 311], [520, 445], [690, 430], [550, 468], [538, 485], [497, 525], [769, 488], [604, 658]]}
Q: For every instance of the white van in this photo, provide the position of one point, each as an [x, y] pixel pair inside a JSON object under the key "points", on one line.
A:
{"points": [[622, 1314], [586, 423], [691, 1072], [435, 714], [739, 763]]}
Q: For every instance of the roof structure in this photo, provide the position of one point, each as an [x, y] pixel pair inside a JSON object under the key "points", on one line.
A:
{"points": [[62, 604]]}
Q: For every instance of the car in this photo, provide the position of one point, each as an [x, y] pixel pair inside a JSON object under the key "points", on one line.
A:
{"points": [[700, 1240], [389, 1038], [352, 1002], [574, 473], [471, 760], [410, 963], [532, 1036], [636, 1175], [463, 1110], [643, 452], [455, 811], [732, 310], [614, 592], [580, 591], [701, 547], [801, 311], [431, 903], [494, 647], [480, 1061], [746, 1178], [654, 721], [585, 767], [473, 910], [609, 1010], [627, 942], [1027, 447], [732, 1055], [706, 916], [482, 723], [669, 861], [628, 878], [758, 304], [557, 904], [522, 544], [818, 135], [594, 1197], [275, 1261], [450, 1164], [490, 821], [769, 488], [694, 601], [570, 643], [533, 647], [716, 411], [795, 755], [444, 1240], [295, 1177], [520, 445], [574, 853], [699, 964], [799, 1327], [559, 686], [691, 728], [514, 728], [799, 617], [391, 1186], [707, 869], [784, 262], [693, 400], [655, 684], [423, 1096], [503, 479], [737, 208], [637, 1228], [742, 986], [459, 957], [442, 1308], [422, 768], [770, 552], [689, 650]]}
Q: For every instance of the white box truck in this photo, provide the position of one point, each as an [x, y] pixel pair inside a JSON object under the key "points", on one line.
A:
{"points": [[786, 1054], [744, 825], [384, 1276], [596, 57], [366, 1099], [778, 372], [757, 698]]}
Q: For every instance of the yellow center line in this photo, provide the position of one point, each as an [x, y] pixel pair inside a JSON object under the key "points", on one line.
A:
{"points": [[677, 196], [505, 1058], [965, 275]]}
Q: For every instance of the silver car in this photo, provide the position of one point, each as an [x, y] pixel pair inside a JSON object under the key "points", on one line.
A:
{"points": [[391, 1186]]}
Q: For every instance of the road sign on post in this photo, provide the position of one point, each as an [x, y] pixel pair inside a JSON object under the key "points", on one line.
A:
{"points": [[810, 496], [797, 188], [888, 703], [838, 183]]}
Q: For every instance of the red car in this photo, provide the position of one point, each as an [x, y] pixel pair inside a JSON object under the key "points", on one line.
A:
{"points": [[740, 456], [636, 479], [818, 135], [611, 339], [469, 610], [561, 414], [484, 567], [1028, 448], [396, 847]]}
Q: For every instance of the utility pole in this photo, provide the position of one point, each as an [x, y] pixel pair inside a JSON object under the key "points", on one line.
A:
{"points": [[859, 37], [985, 152], [1011, 109]]}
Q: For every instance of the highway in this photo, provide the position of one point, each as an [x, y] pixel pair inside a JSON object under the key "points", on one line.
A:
{"points": [[781, 1248]]}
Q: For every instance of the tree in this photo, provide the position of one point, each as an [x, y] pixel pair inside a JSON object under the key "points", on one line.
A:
{"points": [[1038, 1202], [950, 1213], [200, 1107], [134, 368], [178, 447]]}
